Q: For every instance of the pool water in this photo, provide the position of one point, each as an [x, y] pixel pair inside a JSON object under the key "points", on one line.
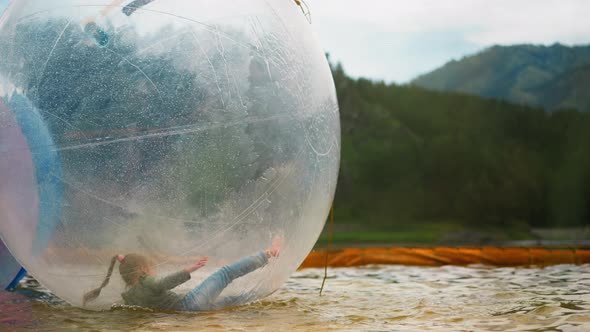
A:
{"points": [[373, 298]]}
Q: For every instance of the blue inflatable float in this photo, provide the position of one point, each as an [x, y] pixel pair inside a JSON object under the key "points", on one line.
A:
{"points": [[10, 271], [30, 178]]}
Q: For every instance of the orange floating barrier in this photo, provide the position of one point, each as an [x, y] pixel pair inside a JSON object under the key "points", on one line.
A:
{"points": [[438, 256]]}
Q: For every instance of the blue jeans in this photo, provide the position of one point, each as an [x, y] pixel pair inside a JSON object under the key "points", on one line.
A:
{"points": [[205, 296]]}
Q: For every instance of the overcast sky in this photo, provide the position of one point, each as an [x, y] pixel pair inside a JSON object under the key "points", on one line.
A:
{"points": [[396, 40]]}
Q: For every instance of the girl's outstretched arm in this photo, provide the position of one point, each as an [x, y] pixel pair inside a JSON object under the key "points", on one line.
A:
{"points": [[175, 279], [168, 282], [196, 265]]}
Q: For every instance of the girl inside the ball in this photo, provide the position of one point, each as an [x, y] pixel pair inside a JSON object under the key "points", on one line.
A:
{"points": [[145, 290]]}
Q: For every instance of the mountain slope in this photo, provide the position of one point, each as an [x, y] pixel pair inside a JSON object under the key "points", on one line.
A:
{"points": [[546, 76], [412, 155], [569, 90]]}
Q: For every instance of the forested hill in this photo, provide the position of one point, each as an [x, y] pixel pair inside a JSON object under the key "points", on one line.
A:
{"points": [[411, 155], [552, 77]]}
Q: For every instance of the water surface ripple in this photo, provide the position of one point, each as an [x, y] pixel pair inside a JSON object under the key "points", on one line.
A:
{"points": [[373, 298]]}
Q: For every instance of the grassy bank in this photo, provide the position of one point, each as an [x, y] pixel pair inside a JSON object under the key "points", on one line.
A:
{"points": [[453, 234]]}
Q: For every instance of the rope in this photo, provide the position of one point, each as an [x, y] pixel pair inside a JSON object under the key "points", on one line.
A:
{"points": [[330, 230]]}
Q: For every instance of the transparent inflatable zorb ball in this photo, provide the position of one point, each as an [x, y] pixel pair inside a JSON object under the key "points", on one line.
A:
{"points": [[174, 129]]}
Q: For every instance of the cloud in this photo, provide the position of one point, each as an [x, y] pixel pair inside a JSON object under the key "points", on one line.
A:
{"points": [[498, 21], [397, 40]]}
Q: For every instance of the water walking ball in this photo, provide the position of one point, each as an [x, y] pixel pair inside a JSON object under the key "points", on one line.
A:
{"points": [[174, 129]]}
